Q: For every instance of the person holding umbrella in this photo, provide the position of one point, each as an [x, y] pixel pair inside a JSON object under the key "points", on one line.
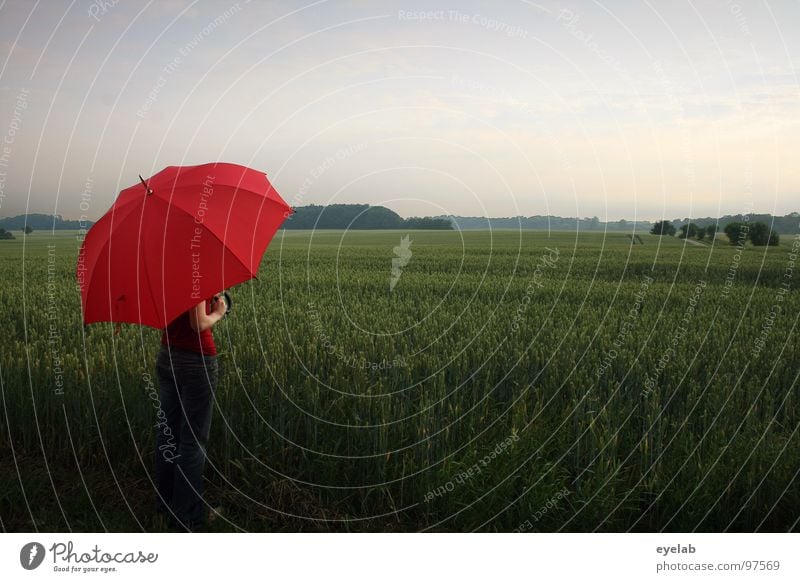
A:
{"points": [[187, 372], [164, 244]]}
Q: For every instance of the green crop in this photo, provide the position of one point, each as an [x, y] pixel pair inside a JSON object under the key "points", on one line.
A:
{"points": [[562, 381]]}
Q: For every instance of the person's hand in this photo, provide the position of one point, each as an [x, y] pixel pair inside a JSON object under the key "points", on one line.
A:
{"points": [[219, 306]]}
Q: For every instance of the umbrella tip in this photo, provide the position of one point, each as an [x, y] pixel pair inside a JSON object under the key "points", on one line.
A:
{"points": [[147, 189]]}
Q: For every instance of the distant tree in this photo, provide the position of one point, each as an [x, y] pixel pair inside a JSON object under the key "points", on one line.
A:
{"points": [[663, 227], [27, 230], [688, 230], [341, 216], [701, 233], [428, 223], [5, 235], [711, 230], [761, 235], [737, 232]]}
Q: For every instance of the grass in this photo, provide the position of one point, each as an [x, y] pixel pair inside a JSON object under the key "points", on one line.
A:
{"points": [[680, 425]]}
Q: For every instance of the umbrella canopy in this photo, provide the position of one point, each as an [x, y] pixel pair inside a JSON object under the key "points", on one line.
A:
{"points": [[171, 241]]}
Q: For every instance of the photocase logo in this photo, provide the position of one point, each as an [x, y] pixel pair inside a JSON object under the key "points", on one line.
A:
{"points": [[31, 555], [402, 256]]}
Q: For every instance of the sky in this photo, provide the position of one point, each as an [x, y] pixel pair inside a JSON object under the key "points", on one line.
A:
{"points": [[635, 110]]}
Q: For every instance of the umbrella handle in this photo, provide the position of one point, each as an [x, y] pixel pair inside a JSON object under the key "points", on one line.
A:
{"points": [[228, 302]]}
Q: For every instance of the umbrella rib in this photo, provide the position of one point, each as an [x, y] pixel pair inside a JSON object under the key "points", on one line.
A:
{"points": [[211, 232], [230, 251], [214, 234], [113, 223], [146, 270]]}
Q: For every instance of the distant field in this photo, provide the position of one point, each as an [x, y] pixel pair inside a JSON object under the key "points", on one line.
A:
{"points": [[509, 380]]}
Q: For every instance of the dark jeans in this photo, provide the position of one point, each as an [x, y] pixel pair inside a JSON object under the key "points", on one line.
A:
{"points": [[187, 381]]}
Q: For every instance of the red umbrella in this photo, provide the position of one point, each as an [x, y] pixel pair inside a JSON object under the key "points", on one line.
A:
{"points": [[171, 241]]}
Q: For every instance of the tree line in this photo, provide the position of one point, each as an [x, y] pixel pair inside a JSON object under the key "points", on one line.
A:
{"points": [[787, 224], [332, 216], [358, 217], [738, 232]]}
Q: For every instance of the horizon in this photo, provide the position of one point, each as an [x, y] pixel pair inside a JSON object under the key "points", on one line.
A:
{"points": [[562, 109], [528, 216]]}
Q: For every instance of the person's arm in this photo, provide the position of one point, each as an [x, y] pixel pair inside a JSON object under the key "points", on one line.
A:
{"points": [[200, 321]]}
